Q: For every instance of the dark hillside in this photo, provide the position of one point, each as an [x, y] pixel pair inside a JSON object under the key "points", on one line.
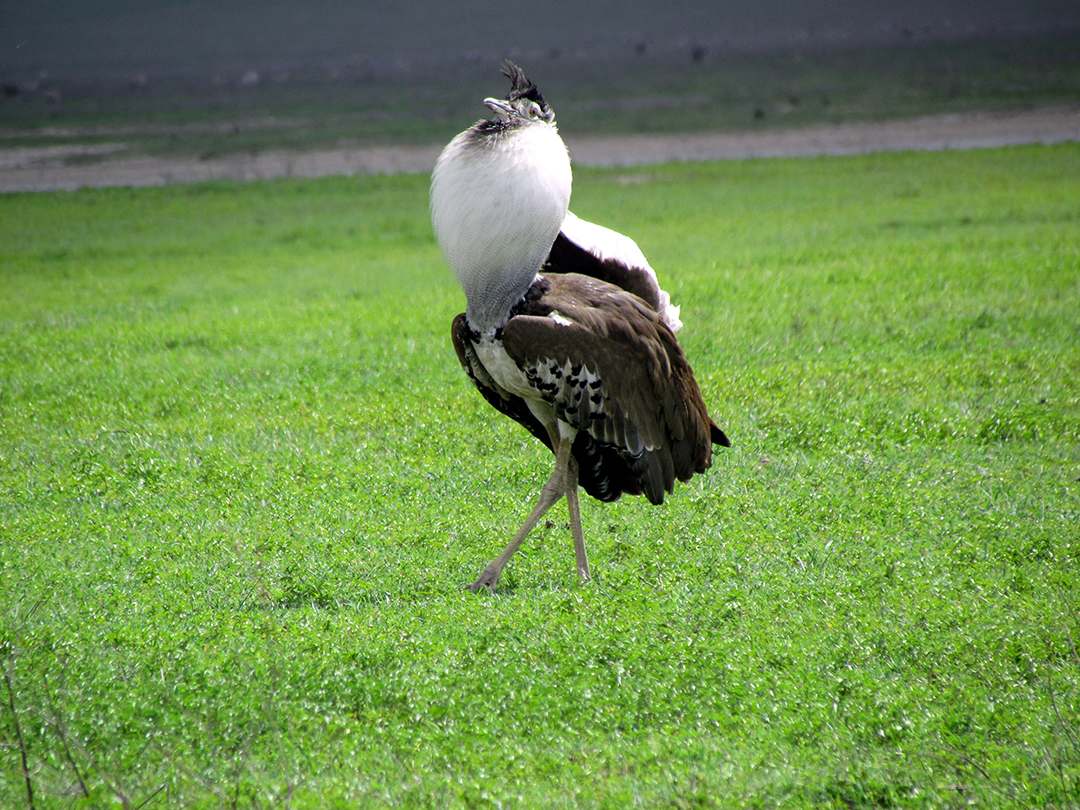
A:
{"points": [[121, 39], [205, 77]]}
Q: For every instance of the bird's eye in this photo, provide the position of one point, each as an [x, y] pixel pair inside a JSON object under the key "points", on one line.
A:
{"points": [[534, 111]]}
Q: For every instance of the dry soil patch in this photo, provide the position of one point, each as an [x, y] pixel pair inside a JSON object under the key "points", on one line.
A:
{"points": [[70, 167]]}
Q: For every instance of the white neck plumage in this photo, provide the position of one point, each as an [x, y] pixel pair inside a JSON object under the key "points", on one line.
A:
{"points": [[498, 198]]}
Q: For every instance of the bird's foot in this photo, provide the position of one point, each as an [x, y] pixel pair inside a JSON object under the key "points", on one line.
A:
{"points": [[488, 578]]}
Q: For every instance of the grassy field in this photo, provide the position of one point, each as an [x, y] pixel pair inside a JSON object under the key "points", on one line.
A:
{"points": [[245, 482]]}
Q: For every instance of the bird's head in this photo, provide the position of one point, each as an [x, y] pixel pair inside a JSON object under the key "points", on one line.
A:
{"points": [[524, 105]]}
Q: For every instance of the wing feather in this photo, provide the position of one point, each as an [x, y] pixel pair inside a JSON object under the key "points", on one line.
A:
{"points": [[611, 367]]}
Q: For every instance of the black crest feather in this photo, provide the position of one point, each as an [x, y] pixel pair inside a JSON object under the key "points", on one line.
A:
{"points": [[521, 87]]}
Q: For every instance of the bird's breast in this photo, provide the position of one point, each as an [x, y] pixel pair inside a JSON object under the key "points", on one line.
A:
{"points": [[502, 368]]}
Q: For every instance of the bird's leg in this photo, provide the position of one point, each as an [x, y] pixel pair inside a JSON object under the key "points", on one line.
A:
{"points": [[574, 507], [554, 489]]}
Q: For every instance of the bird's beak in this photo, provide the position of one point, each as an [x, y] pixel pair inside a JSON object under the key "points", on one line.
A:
{"points": [[500, 107]]}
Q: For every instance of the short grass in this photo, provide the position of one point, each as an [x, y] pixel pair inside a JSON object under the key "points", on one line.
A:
{"points": [[244, 484]]}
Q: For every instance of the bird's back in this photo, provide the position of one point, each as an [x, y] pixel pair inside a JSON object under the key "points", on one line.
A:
{"points": [[593, 250]]}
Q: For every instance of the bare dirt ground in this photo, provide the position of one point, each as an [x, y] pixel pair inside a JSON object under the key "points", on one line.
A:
{"points": [[71, 167]]}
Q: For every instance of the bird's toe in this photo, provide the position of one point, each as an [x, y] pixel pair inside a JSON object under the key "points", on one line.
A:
{"points": [[488, 578]]}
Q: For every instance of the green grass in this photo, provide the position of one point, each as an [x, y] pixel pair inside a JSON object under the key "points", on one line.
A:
{"points": [[244, 484]]}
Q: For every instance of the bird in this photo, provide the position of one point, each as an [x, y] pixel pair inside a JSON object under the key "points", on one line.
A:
{"points": [[566, 329]]}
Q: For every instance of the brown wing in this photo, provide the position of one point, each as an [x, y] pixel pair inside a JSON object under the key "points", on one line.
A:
{"points": [[609, 366]]}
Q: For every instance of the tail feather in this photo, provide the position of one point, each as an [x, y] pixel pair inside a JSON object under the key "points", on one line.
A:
{"points": [[718, 436]]}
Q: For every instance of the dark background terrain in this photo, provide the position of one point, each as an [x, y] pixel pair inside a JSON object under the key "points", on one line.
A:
{"points": [[205, 77], [124, 39]]}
